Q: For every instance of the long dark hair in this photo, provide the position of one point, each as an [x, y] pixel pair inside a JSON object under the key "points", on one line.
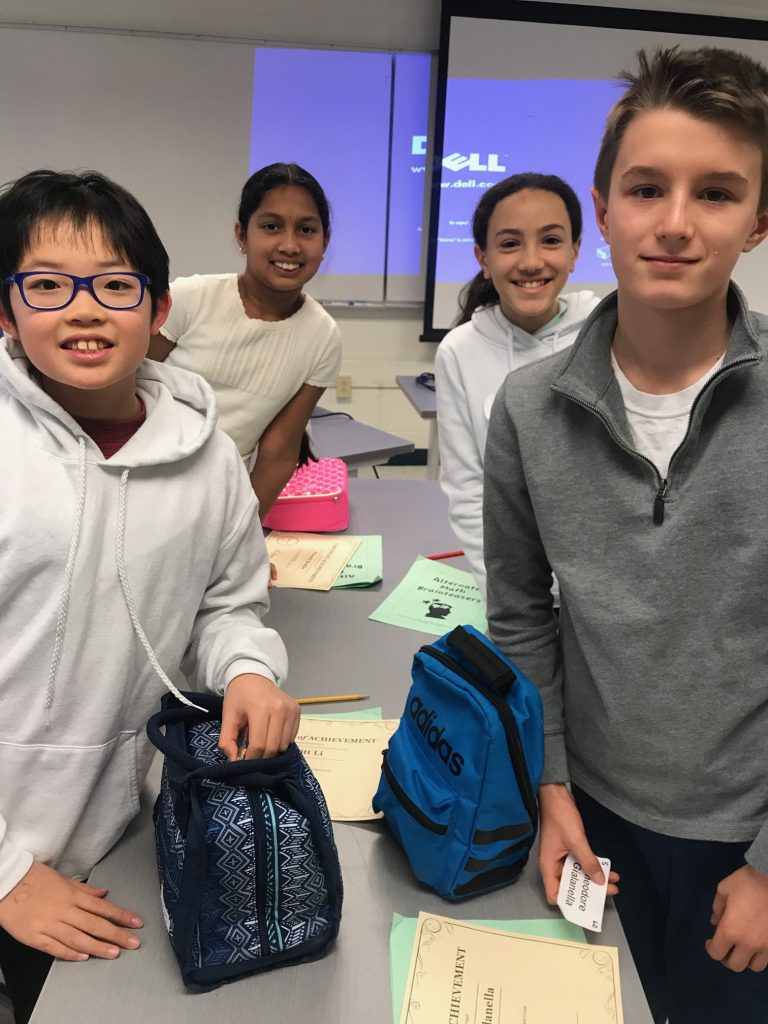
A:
{"points": [[480, 291], [273, 176]]}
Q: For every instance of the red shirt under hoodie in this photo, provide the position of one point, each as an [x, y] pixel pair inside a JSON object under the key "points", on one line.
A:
{"points": [[111, 435]]}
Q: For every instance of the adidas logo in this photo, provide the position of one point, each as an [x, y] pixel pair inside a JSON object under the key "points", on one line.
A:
{"points": [[425, 720]]}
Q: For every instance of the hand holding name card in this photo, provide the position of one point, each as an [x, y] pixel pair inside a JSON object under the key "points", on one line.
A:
{"points": [[581, 900], [562, 832]]}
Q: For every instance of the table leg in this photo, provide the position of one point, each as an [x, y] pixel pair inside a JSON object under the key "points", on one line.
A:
{"points": [[433, 453]]}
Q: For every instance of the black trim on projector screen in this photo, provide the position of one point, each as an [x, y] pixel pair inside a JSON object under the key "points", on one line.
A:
{"points": [[546, 14]]}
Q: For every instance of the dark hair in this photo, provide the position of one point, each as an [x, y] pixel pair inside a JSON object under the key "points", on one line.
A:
{"points": [[480, 291], [273, 176], [306, 455], [84, 200], [715, 85]]}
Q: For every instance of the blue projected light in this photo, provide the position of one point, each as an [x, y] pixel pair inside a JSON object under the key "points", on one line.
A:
{"points": [[358, 122], [496, 128], [331, 112], [410, 117]]}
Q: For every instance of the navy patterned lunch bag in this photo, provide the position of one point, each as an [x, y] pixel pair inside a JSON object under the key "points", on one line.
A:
{"points": [[249, 874]]}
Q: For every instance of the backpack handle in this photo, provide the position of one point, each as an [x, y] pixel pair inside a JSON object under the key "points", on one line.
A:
{"points": [[497, 673], [252, 771]]}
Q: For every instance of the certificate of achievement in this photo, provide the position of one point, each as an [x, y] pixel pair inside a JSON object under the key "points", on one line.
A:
{"points": [[308, 561], [463, 973], [345, 756]]}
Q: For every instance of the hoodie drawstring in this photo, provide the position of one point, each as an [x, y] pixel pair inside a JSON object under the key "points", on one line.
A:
{"points": [[61, 612], [121, 572]]}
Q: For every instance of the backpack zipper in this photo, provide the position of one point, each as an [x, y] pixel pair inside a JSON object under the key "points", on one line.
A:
{"points": [[408, 804], [275, 871], [334, 495], [260, 855], [509, 725]]}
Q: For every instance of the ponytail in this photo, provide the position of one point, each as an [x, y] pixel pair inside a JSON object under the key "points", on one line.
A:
{"points": [[480, 291]]}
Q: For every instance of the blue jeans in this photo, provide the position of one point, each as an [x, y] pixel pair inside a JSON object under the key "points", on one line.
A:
{"points": [[665, 902]]}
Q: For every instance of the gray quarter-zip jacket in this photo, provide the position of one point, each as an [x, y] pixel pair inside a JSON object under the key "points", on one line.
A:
{"points": [[655, 690]]}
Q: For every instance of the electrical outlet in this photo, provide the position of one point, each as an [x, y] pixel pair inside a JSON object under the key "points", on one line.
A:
{"points": [[344, 386]]}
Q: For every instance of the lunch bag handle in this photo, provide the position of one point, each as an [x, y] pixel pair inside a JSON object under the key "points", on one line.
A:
{"points": [[242, 772], [497, 673]]}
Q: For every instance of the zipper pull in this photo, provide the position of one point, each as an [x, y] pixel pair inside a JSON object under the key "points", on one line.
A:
{"points": [[658, 504]]}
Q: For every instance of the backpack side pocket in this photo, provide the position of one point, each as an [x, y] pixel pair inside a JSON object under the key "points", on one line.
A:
{"points": [[419, 808]]}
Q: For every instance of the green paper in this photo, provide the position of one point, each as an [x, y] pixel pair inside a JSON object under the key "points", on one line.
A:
{"points": [[433, 598], [364, 567], [403, 934], [366, 714]]}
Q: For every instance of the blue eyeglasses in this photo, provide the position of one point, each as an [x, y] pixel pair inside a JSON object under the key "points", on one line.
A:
{"points": [[42, 289]]}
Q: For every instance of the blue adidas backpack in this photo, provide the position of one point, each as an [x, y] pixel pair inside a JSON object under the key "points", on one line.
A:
{"points": [[249, 873], [459, 780]]}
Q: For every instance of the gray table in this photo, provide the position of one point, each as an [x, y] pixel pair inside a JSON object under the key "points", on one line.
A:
{"points": [[333, 649], [424, 402], [336, 436]]}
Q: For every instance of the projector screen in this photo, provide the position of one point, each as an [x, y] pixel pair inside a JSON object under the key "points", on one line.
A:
{"points": [[526, 87], [350, 119]]}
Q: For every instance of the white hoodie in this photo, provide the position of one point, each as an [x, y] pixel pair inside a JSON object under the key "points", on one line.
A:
{"points": [[471, 364], [112, 571]]}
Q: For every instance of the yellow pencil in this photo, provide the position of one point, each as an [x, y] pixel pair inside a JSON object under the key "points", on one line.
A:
{"points": [[332, 700]]}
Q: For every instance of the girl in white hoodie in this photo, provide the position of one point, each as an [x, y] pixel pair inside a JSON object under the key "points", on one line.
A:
{"points": [[527, 232]]}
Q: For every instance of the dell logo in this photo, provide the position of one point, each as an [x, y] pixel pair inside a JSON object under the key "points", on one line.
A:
{"points": [[425, 723], [459, 162]]}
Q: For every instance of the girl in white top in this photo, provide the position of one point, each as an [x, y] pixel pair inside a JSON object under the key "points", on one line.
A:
{"points": [[267, 349], [527, 232]]}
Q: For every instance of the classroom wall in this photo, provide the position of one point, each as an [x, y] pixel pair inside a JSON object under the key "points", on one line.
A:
{"points": [[169, 118], [378, 343], [351, 24]]}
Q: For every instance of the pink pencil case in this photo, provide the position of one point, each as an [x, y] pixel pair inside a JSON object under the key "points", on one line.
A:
{"points": [[315, 499]]}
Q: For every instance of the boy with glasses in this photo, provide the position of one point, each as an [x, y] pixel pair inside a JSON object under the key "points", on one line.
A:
{"points": [[131, 557], [634, 467]]}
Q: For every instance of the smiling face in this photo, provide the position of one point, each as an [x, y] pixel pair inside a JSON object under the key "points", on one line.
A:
{"points": [[682, 207], [528, 256], [284, 242], [87, 354]]}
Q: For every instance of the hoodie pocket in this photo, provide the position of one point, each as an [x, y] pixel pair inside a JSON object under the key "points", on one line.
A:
{"points": [[68, 805]]}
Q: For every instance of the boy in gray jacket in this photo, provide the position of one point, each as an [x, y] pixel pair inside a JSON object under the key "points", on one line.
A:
{"points": [[635, 467]]}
